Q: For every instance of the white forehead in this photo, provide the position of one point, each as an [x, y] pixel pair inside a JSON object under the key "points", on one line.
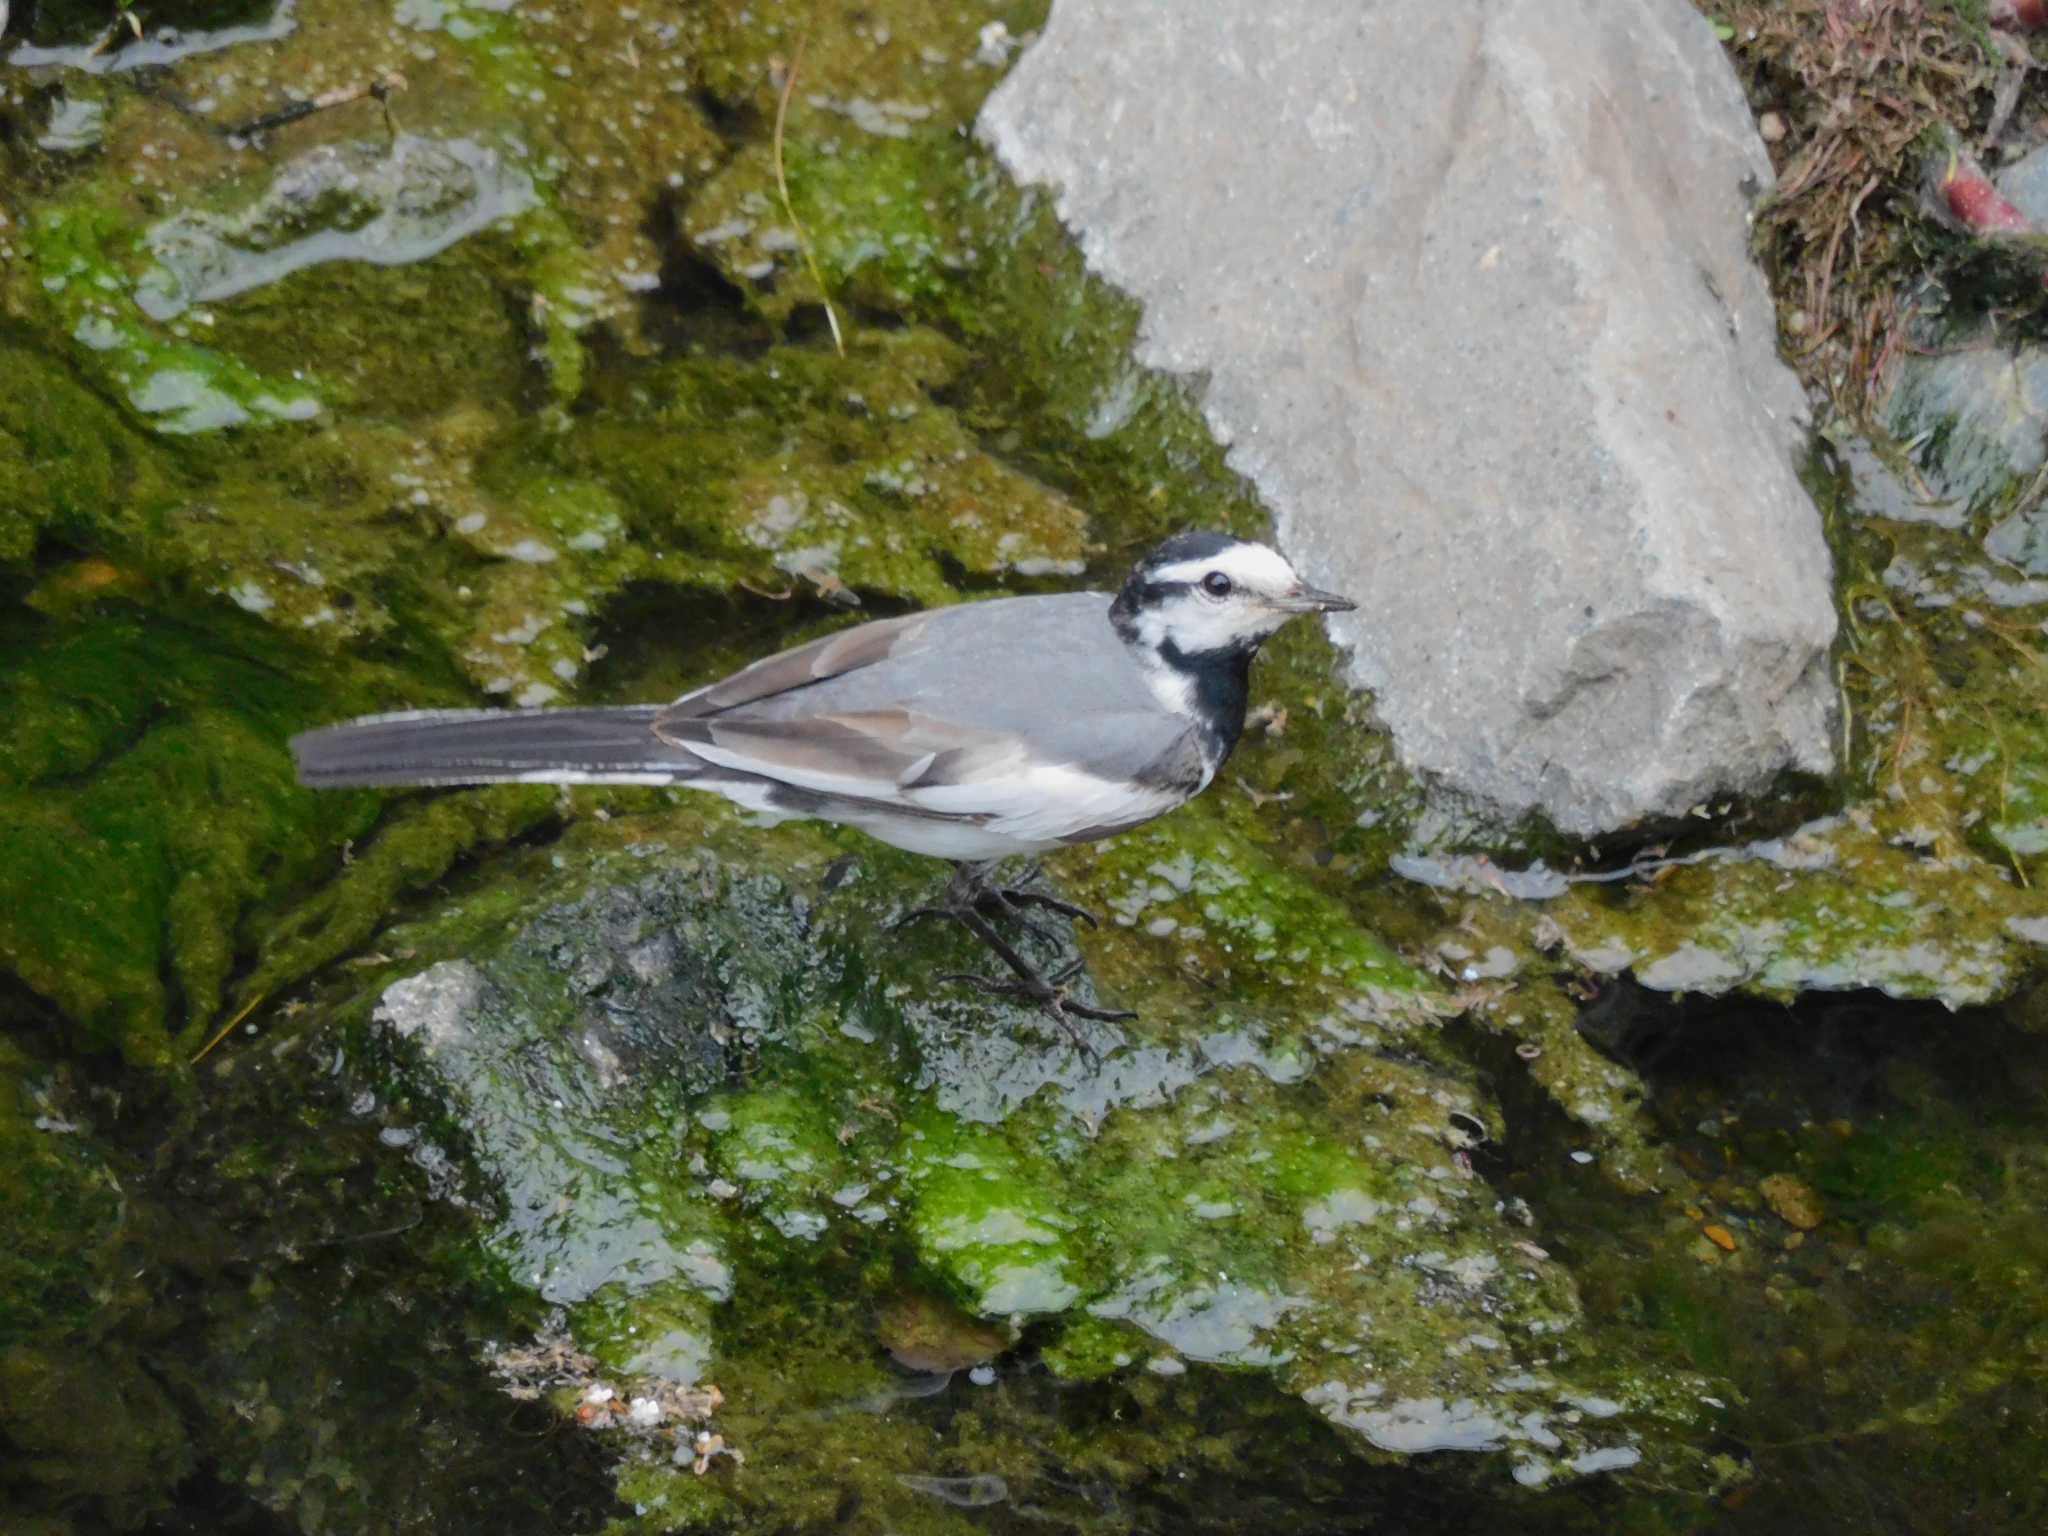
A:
{"points": [[1248, 565]]}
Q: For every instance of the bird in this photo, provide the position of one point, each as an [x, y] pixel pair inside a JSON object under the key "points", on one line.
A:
{"points": [[975, 733]]}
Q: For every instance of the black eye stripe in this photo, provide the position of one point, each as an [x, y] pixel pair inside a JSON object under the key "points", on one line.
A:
{"points": [[1154, 593]]}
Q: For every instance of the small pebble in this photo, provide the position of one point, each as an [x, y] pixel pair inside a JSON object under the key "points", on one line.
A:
{"points": [[1793, 1200]]}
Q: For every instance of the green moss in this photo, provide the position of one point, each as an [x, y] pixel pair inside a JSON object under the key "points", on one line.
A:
{"points": [[68, 1280], [84, 260], [390, 359], [988, 1218], [144, 770], [1091, 1348], [68, 464], [879, 489], [1238, 913], [1235, 1199], [173, 812], [1841, 909]]}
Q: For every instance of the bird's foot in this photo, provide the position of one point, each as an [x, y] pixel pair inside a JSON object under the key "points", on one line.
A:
{"points": [[1012, 899], [978, 906], [992, 905], [1050, 993], [971, 891]]}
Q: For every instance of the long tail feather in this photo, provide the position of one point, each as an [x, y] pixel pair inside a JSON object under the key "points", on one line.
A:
{"points": [[495, 746]]}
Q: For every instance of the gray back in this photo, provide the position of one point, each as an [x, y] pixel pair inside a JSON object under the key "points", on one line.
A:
{"points": [[1049, 670]]}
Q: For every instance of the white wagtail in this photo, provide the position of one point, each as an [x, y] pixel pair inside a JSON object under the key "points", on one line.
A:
{"points": [[971, 733]]}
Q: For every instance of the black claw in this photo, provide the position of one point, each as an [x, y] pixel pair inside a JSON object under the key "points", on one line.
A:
{"points": [[978, 906], [1105, 1015], [1051, 999], [1014, 898]]}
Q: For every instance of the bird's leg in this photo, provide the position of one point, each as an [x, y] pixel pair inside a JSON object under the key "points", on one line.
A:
{"points": [[1048, 992], [977, 904], [1025, 894], [971, 890]]}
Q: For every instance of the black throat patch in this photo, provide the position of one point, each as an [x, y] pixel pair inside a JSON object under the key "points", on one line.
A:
{"points": [[1220, 685]]}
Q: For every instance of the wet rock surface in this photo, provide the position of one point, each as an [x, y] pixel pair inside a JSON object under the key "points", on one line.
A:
{"points": [[694, 1068], [1503, 372], [544, 1154]]}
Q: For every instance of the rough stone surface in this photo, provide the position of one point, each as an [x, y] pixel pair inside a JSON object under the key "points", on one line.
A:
{"points": [[1470, 290]]}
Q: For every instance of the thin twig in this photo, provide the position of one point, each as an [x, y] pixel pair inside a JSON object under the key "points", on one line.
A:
{"points": [[382, 89], [226, 1029], [803, 240]]}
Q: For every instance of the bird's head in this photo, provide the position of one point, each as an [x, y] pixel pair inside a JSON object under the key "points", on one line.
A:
{"points": [[1208, 594]]}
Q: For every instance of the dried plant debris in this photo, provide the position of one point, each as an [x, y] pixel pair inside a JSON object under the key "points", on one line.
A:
{"points": [[645, 1408], [1860, 96]]}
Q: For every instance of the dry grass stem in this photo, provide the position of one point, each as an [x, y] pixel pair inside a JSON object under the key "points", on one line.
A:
{"points": [[803, 238]]}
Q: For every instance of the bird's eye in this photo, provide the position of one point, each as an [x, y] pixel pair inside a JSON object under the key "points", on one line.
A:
{"points": [[1216, 584]]}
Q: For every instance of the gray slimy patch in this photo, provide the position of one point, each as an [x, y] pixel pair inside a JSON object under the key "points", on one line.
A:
{"points": [[1616, 1458], [164, 45], [1412, 1425], [339, 202], [961, 1492]]}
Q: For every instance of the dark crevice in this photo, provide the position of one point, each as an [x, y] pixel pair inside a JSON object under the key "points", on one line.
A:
{"points": [[205, 1505], [32, 1021], [52, 23], [650, 628], [694, 306], [808, 324], [736, 123], [690, 284]]}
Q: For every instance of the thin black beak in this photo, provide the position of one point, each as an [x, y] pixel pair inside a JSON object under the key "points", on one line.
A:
{"points": [[1307, 599]]}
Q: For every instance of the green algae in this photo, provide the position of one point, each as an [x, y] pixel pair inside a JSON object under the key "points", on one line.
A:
{"points": [[986, 1217], [645, 449], [1240, 1201], [68, 465], [881, 491], [68, 1284], [1838, 909], [154, 811], [152, 802], [82, 258], [1230, 907]]}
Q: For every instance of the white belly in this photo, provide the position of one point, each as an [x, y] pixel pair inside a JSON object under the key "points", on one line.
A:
{"points": [[956, 840], [1029, 815]]}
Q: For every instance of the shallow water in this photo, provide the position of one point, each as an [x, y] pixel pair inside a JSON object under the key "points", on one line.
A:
{"points": [[1400, 1203]]}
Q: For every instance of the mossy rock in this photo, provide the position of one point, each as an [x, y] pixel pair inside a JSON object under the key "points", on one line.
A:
{"points": [[705, 1070]]}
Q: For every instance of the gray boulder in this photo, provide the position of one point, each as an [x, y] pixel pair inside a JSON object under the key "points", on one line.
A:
{"points": [[1470, 290]]}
